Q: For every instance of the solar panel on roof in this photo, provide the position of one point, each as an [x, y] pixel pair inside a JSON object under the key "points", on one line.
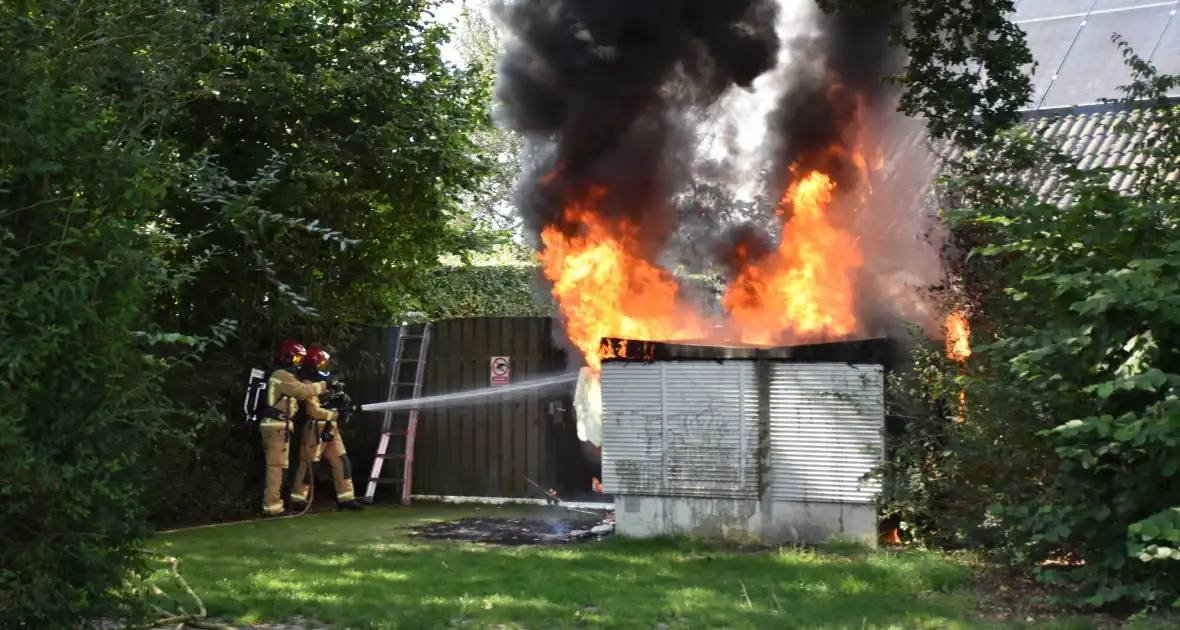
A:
{"points": [[1106, 5], [1094, 68], [1041, 9], [1048, 41], [1167, 55]]}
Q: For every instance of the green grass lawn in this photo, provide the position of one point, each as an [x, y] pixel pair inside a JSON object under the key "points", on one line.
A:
{"points": [[360, 571]]}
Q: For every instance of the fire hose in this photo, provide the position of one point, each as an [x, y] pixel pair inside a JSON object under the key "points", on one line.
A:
{"points": [[340, 400]]}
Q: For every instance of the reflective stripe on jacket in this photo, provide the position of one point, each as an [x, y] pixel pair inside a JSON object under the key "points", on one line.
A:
{"points": [[284, 391]]}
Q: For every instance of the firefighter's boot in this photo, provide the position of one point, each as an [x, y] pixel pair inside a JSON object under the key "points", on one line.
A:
{"points": [[351, 504]]}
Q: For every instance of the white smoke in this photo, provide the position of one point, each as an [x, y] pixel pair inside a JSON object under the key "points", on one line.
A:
{"points": [[732, 149]]}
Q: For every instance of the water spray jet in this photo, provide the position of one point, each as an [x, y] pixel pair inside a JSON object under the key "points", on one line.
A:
{"points": [[441, 400]]}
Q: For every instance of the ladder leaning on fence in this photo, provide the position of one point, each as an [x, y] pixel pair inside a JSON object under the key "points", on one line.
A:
{"points": [[399, 426]]}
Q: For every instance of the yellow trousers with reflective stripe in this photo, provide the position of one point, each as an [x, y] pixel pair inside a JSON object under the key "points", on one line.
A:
{"points": [[311, 452], [276, 442]]}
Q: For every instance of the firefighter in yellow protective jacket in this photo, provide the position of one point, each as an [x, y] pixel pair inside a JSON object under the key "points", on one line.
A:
{"points": [[284, 390], [321, 437]]}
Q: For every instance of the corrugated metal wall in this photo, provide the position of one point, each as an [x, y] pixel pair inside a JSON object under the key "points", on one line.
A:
{"points": [[488, 448], [680, 428], [826, 431], [691, 428]]}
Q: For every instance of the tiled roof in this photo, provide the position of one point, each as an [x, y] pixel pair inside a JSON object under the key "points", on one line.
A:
{"points": [[1077, 66], [1093, 134], [1098, 140]]}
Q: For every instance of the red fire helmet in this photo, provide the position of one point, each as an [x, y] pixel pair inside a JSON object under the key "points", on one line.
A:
{"points": [[290, 353], [318, 358]]}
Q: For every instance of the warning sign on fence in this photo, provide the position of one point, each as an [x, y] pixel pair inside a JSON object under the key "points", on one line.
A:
{"points": [[501, 371]]}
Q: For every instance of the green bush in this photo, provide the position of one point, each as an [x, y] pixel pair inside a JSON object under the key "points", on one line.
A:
{"points": [[943, 474], [218, 472], [81, 402], [454, 292], [78, 414], [1067, 459]]}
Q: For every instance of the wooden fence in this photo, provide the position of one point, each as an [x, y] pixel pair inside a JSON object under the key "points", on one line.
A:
{"points": [[490, 447]]}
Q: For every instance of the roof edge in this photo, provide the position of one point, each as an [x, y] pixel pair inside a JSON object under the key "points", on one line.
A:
{"points": [[876, 351]]}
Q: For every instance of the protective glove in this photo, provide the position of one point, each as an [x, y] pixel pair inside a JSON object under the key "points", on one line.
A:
{"points": [[332, 403], [337, 387], [341, 403]]}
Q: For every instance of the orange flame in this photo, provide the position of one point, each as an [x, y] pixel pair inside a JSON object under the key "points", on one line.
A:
{"points": [[605, 288], [806, 287], [803, 292], [958, 348], [958, 336]]}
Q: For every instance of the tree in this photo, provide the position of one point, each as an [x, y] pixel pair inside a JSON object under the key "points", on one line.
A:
{"points": [[343, 154], [478, 40], [355, 136], [965, 65], [181, 184]]}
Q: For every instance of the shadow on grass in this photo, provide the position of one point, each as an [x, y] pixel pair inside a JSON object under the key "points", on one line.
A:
{"points": [[360, 571]]}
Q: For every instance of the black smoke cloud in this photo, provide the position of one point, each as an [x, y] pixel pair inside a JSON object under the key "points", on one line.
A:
{"points": [[838, 74], [611, 93], [837, 70], [599, 80]]}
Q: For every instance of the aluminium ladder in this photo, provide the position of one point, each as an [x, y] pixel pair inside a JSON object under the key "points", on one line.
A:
{"points": [[399, 426]]}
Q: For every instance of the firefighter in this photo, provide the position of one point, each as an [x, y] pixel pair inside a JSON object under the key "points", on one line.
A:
{"points": [[284, 390], [321, 437]]}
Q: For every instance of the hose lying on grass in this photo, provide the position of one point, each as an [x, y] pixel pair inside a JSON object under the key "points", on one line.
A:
{"points": [[183, 619]]}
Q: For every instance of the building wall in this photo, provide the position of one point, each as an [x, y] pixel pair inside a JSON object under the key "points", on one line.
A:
{"points": [[826, 431], [745, 520], [680, 428], [743, 449]]}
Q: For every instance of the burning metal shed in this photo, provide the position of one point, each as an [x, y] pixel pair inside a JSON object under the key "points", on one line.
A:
{"points": [[733, 442]]}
